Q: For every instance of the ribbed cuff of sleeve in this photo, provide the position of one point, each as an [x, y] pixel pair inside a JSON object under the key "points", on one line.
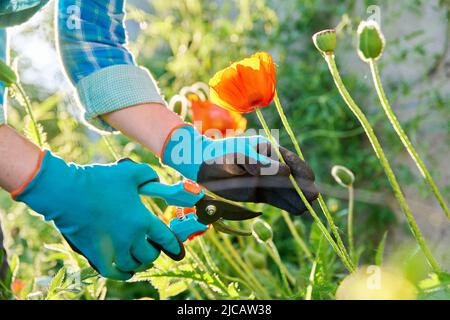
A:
{"points": [[114, 88]]}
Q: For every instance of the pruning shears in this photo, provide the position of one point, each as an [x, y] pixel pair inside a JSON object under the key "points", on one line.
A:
{"points": [[209, 210]]}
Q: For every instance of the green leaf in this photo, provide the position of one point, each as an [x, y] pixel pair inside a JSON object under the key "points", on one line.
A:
{"points": [[37, 135], [7, 75], [56, 282], [444, 277], [430, 282], [87, 273], [172, 289], [232, 290], [5, 283], [178, 274], [435, 287], [380, 250], [174, 281]]}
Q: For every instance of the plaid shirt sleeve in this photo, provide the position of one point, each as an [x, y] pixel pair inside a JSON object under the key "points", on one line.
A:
{"points": [[92, 43], [3, 50]]}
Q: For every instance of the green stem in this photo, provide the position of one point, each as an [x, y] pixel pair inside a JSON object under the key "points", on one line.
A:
{"points": [[333, 226], [205, 251], [404, 137], [243, 265], [287, 126], [329, 58], [210, 263], [286, 277], [199, 267], [312, 276], [296, 236], [316, 218], [236, 268], [111, 148], [207, 269], [351, 245], [30, 113], [195, 293], [320, 199]]}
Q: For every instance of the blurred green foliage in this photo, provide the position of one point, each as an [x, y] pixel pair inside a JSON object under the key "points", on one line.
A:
{"points": [[186, 41]]}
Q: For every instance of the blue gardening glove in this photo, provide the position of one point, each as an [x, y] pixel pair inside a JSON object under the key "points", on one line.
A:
{"points": [[240, 168], [98, 210]]}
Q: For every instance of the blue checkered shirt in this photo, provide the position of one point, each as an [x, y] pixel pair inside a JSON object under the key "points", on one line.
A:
{"points": [[92, 43]]}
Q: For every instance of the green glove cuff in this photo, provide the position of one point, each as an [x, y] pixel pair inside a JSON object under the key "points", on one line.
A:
{"points": [[114, 88]]}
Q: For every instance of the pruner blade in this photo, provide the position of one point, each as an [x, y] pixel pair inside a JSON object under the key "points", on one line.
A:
{"points": [[224, 228], [210, 210]]}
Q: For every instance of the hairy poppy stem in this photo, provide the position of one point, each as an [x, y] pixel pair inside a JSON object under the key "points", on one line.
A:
{"points": [[322, 203], [312, 276], [204, 268], [351, 200], [287, 126], [256, 287], [329, 58], [404, 137], [111, 148], [213, 266], [244, 266], [296, 236], [30, 113], [348, 264], [285, 275]]}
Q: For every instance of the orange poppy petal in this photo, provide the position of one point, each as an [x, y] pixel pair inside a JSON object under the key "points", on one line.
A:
{"points": [[217, 99], [269, 68], [230, 90], [255, 83], [207, 115]]}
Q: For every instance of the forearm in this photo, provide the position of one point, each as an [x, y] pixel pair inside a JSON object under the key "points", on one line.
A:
{"points": [[19, 159], [149, 124]]}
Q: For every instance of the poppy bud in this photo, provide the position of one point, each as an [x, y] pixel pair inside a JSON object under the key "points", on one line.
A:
{"points": [[262, 231], [370, 41], [7, 75], [343, 176], [325, 40]]}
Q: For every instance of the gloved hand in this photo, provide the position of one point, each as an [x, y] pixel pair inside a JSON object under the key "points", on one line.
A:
{"points": [[98, 210], [240, 168]]}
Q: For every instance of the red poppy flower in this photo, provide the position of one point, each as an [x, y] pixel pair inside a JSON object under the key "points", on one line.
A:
{"points": [[246, 84], [212, 120]]}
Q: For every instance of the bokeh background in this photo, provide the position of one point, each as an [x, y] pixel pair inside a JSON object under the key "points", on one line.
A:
{"points": [[186, 41]]}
